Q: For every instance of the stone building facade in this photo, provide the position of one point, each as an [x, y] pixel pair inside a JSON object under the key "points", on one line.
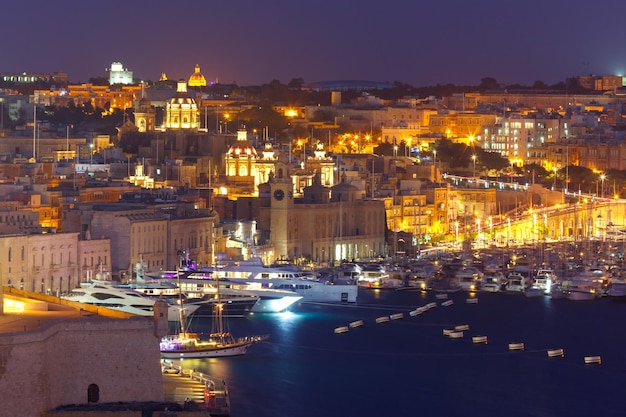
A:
{"points": [[51, 263]]}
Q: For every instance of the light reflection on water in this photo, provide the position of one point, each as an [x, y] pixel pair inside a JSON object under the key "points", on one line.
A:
{"points": [[410, 361]]}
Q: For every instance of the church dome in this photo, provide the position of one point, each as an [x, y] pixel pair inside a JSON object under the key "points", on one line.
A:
{"points": [[242, 148], [182, 96], [197, 79]]}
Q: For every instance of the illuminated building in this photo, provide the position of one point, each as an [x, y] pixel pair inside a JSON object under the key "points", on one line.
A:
{"points": [[460, 126], [119, 75], [326, 225], [181, 110], [57, 78], [197, 79], [241, 164]]}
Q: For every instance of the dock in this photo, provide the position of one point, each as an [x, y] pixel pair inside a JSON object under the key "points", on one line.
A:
{"points": [[195, 390]]}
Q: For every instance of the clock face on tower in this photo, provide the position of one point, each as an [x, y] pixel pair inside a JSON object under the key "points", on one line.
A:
{"points": [[279, 194]]}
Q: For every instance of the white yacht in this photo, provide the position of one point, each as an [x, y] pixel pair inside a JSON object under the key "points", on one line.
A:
{"points": [[268, 300], [469, 278], [492, 281], [257, 277], [586, 285], [373, 276], [543, 280], [516, 282], [202, 284], [110, 295]]}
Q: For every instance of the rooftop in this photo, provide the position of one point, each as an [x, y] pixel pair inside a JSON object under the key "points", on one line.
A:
{"points": [[25, 311]]}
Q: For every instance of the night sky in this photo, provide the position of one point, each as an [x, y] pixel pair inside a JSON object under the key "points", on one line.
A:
{"points": [[254, 42]]}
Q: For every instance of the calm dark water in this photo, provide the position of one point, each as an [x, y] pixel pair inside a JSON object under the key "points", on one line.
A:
{"points": [[407, 367]]}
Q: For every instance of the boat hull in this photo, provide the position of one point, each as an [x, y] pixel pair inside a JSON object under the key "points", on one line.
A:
{"points": [[235, 307], [217, 352]]}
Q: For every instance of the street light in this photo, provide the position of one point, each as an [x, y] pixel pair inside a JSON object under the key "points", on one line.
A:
{"points": [[90, 155], [602, 177], [474, 160]]}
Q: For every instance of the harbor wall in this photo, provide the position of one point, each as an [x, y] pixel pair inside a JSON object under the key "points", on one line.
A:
{"points": [[58, 363]]}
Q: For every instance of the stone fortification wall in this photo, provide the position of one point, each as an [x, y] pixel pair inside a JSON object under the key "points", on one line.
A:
{"points": [[56, 364]]}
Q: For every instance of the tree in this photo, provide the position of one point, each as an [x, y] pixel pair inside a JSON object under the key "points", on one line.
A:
{"points": [[492, 160], [488, 83], [296, 83]]}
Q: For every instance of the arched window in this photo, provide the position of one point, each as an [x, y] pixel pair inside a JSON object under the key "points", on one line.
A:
{"points": [[243, 171], [93, 393], [232, 171]]}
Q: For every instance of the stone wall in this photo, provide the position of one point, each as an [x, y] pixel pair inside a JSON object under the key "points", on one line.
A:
{"points": [[56, 364]]}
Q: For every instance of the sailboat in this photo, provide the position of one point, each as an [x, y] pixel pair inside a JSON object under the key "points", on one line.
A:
{"points": [[220, 343]]}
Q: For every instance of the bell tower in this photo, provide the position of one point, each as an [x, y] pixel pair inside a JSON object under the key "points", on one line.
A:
{"points": [[281, 205]]}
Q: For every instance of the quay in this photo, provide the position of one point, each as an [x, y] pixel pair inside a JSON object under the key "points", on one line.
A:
{"points": [[195, 390]]}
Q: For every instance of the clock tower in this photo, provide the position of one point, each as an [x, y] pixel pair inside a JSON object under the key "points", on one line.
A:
{"points": [[281, 205]]}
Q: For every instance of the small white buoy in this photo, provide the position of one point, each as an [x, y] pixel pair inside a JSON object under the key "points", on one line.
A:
{"points": [[556, 353], [430, 305], [441, 296], [446, 332], [596, 360], [415, 312], [397, 316], [516, 346], [472, 301], [342, 329], [357, 323], [447, 303], [479, 339], [382, 319], [461, 327], [455, 335]]}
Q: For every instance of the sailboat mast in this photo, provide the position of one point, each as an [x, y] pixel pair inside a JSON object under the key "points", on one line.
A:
{"points": [[181, 309], [218, 308]]}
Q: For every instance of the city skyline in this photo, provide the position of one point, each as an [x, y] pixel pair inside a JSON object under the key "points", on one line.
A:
{"points": [[247, 43]]}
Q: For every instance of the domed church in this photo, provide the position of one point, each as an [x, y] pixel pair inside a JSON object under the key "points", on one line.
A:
{"points": [[182, 110], [197, 79]]}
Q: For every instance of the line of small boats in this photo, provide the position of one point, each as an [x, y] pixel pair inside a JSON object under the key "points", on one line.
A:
{"points": [[583, 283]]}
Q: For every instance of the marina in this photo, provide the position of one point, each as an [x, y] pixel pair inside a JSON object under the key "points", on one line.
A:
{"points": [[304, 351]]}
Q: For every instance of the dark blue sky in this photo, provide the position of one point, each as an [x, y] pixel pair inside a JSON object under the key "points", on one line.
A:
{"points": [[254, 42]]}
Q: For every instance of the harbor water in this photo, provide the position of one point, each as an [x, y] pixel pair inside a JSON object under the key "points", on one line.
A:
{"points": [[406, 366]]}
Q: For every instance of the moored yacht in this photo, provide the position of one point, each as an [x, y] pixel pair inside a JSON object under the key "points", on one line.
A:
{"points": [[469, 278], [238, 298], [255, 276], [492, 281], [587, 285], [516, 283], [543, 280], [110, 295]]}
